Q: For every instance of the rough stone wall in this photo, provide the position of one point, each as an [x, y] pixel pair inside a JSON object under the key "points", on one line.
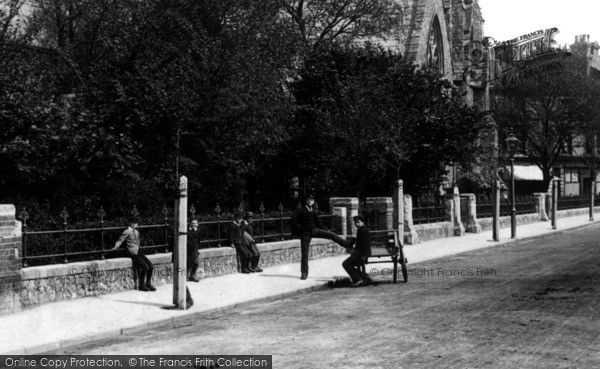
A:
{"points": [[75, 280], [434, 231], [10, 263]]}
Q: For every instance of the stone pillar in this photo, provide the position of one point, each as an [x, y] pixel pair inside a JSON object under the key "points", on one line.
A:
{"points": [[459, 229], [340, 223], [449, 202], [410, 234], [384, 208], [540, 205], [471, 221], [351, 205], [10, 261], [399, 209]]}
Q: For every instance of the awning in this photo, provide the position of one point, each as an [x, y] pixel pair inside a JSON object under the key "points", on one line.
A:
{"points": [[525, 173]]}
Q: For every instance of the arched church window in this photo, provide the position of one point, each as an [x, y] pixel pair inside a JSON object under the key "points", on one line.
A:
{"points": [[435, 47]]}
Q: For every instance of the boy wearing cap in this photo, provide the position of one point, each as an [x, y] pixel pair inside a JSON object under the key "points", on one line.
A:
{"points": [[251, 243], [236, 240], [193, 256], [139, 261], [361, 251], [306, 223]]}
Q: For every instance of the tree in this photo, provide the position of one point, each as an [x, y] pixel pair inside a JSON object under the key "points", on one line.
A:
{"points": [[375, 118], [546, 113], [343, 22], [149, 85]]}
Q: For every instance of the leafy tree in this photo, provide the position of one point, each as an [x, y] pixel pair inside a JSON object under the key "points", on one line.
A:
{"points": [[343, 22], [546, 113], [374, 118], [130, 87]]}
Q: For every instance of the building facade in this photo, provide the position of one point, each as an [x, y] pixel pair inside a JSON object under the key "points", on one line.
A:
{"points": [[446, 35], [534, 56]]}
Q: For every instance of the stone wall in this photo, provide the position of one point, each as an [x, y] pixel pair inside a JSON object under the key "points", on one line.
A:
{"points": [[10, 264], [433, 231], [75, 280], [486, 224]]}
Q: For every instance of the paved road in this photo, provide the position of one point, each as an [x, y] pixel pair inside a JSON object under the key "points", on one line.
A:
{"points": [[533, 303]]}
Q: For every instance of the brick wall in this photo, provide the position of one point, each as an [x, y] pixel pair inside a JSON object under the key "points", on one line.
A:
{"points": [[10, 262]]}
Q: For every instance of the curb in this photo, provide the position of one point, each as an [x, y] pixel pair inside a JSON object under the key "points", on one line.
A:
{"points": [[172, 322]]}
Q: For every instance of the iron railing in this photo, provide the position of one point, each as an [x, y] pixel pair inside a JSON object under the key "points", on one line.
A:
{"points": [[76, 242], [268, 227], [429, 213], [523, 205], [464, 209], [573, 202]]}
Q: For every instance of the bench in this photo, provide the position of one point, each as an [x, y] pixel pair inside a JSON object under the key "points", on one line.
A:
{"points": [[386, 246]]}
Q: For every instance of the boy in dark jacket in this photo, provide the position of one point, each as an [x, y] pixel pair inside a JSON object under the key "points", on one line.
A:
{"points": [[237, 241], [361, 251], [306, 223]]}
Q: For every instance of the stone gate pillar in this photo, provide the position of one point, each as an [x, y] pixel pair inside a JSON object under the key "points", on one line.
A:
{"points": [[10, 261], [351, 205], [411, 237], [385, 207], [471, 221], [540, 205], [340, 221]]}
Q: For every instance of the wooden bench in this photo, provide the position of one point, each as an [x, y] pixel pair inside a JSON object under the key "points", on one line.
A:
{"points": [[385, 245]]}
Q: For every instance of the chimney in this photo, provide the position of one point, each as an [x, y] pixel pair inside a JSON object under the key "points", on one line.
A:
{"points": [[576, 39]]}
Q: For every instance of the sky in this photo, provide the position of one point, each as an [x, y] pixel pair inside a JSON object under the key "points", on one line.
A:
{"points": [[507, 19]]}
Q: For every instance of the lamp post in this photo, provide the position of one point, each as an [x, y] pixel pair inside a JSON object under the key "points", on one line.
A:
{"points": [[511, 145]]}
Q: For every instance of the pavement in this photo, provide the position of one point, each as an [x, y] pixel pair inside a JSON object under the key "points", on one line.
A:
{"points": [[67, 323]]}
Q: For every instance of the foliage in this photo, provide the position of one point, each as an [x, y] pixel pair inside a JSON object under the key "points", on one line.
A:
{"points": [[160, 88], [547, 112], [106, 103], [371, 118], [322, 22]]}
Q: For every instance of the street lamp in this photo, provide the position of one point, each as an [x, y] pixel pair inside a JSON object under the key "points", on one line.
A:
{"points": [[511, 146]]}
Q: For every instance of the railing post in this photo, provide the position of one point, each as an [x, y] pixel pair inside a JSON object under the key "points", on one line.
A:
{"points": [[281, 219], [218, 211], [102, 214], [410, 234], [64, 214], [261, 208], [165, 211]]}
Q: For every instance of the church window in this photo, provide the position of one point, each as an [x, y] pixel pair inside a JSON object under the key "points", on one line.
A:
{"points": [[435, 47]]}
